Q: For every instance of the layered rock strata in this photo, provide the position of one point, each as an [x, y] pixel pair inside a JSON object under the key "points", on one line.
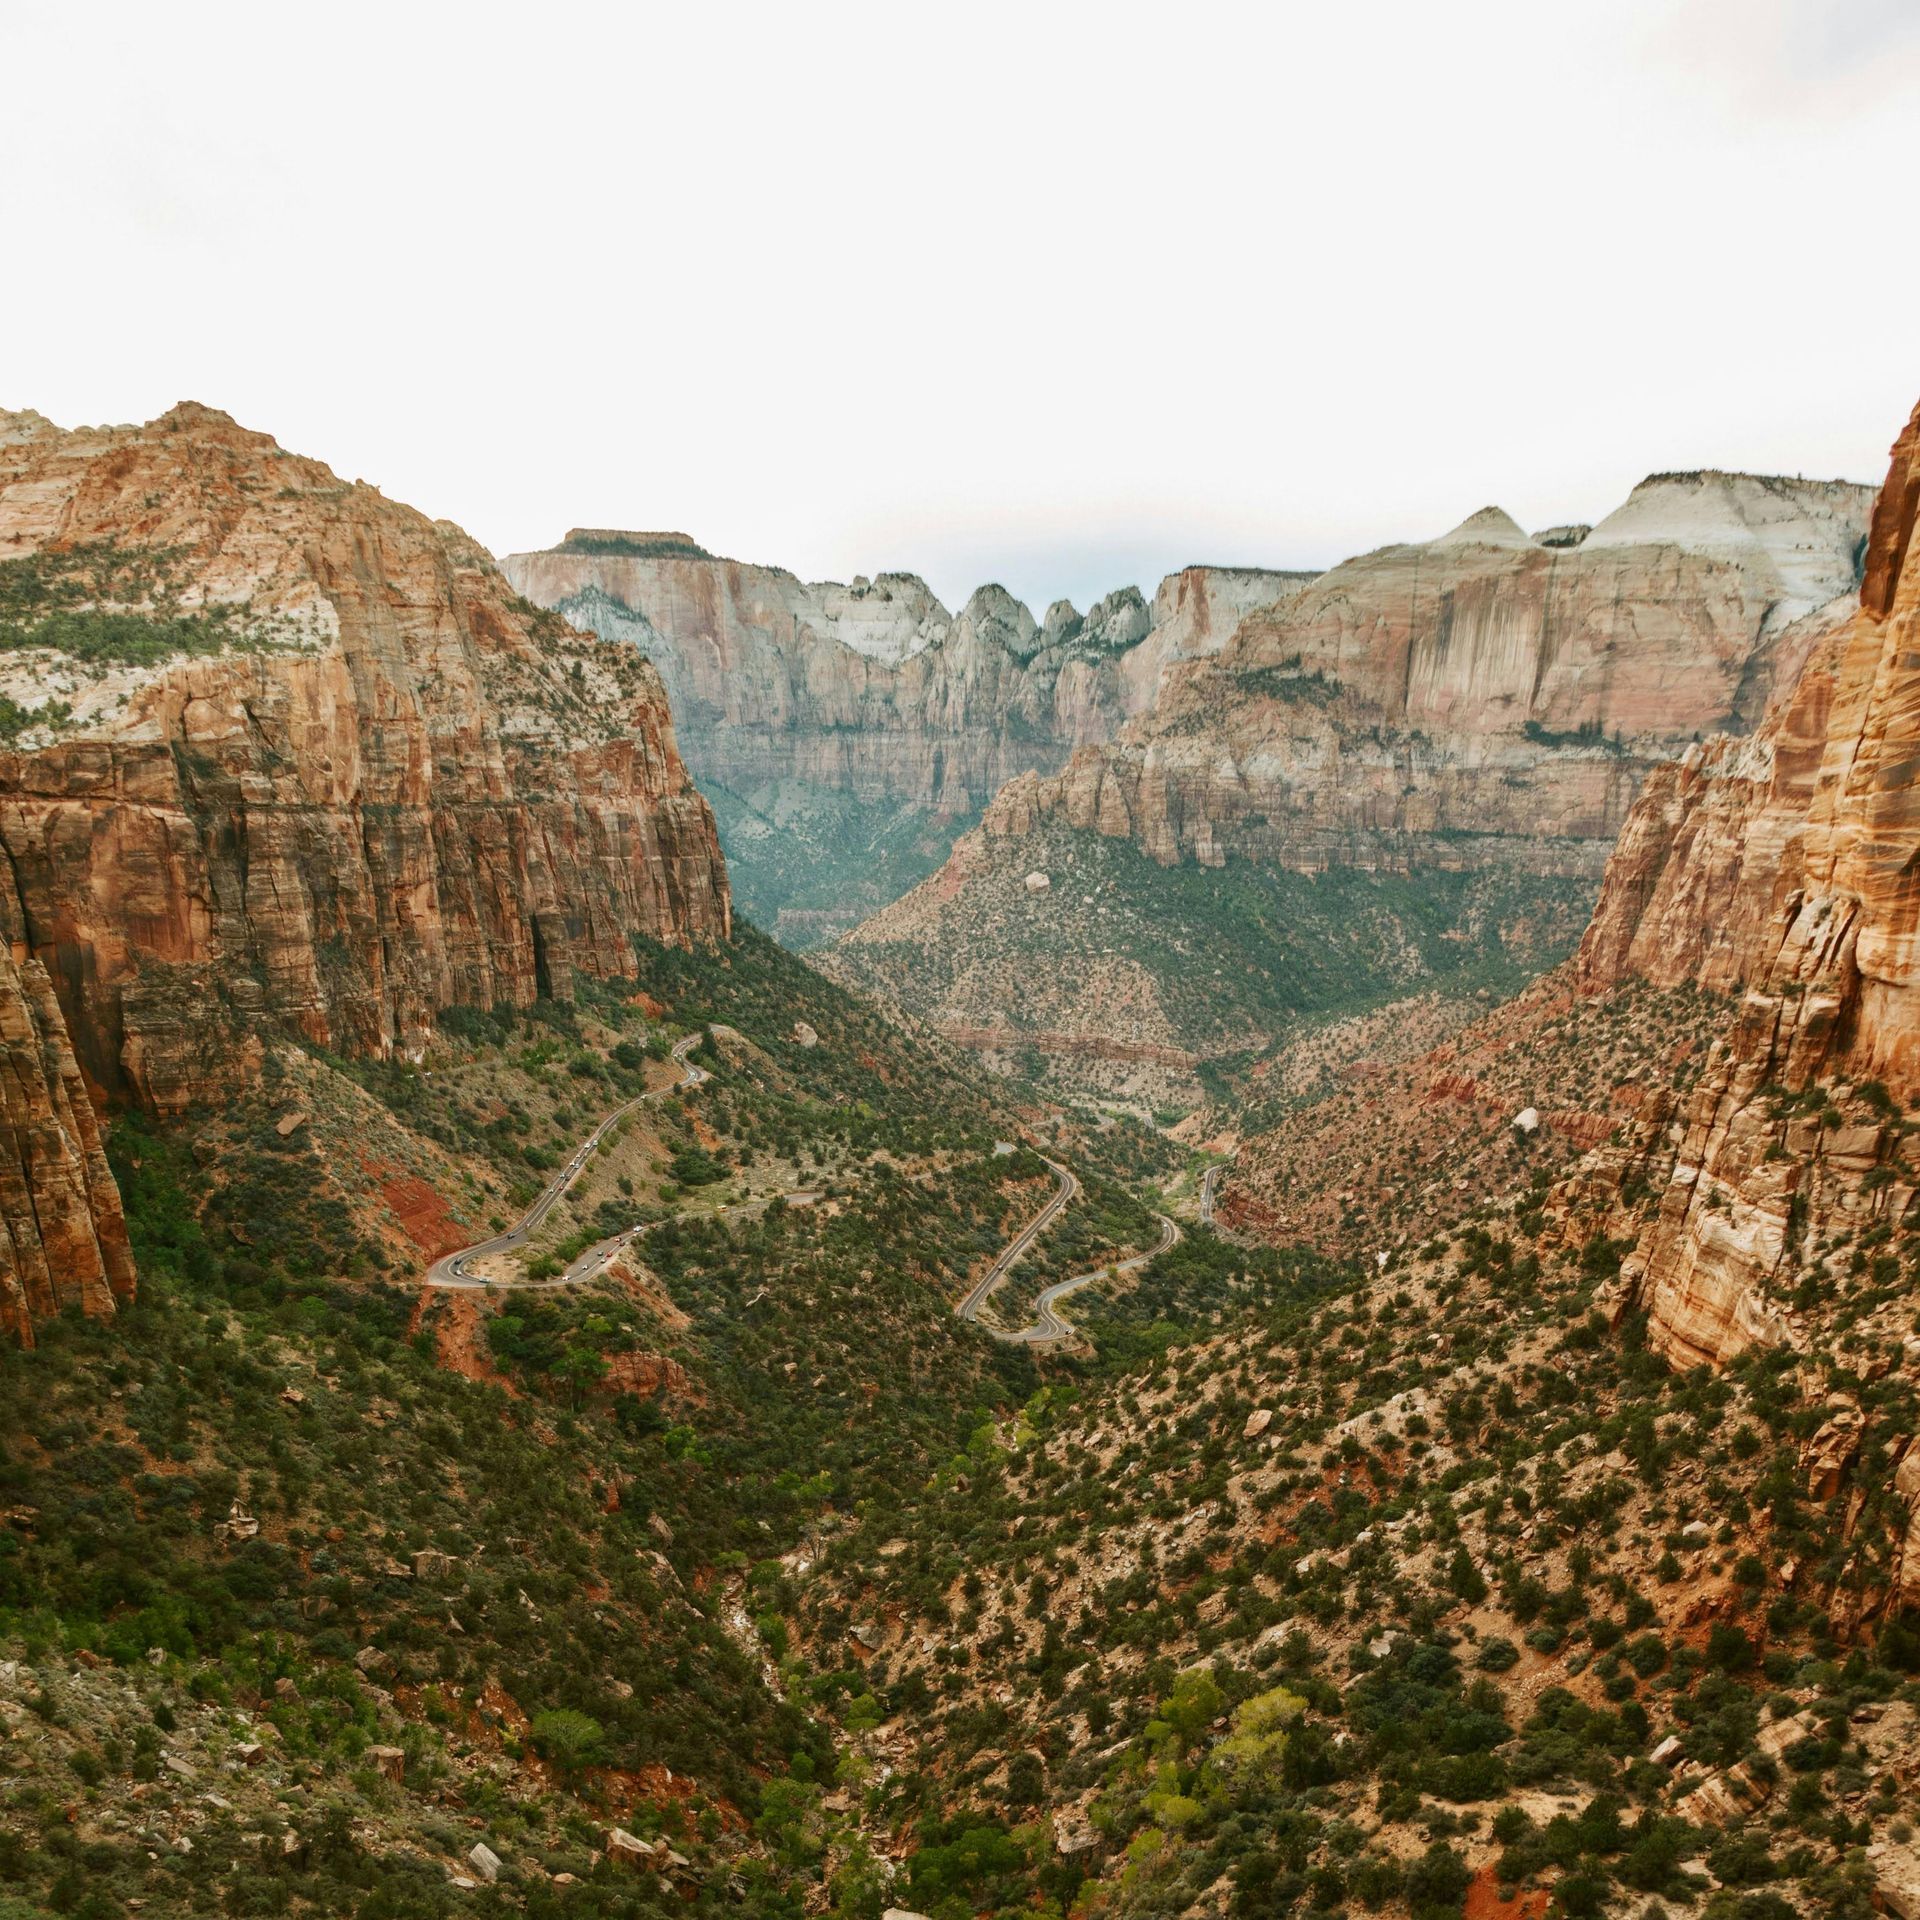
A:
{"points": [[277, 753], [1481, 697], [63, 1239], [1786, 868], [872, 688]]}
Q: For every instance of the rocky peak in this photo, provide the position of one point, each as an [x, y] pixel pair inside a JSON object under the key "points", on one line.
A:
{"points": [[1490, 527], [992, 613], [1063, 621], [1119, 621], [1802, 536]]}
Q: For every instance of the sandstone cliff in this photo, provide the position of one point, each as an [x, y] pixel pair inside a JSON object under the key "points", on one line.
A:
{"points": [[847, 733], [1784, 868], [873, 688], [1480, 697], [277, 753], [63, 1241]]}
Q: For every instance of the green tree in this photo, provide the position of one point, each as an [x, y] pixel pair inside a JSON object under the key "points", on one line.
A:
{"points": [[568, 1740]]}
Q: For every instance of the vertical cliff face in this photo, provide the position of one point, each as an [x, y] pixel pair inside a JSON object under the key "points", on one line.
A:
{"points": [[278, 754], [292, 751], [1786, 868], [873, 688], [63, 1241]]}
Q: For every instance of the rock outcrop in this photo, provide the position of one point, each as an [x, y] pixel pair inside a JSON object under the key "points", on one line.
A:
{"points": [[63, 1240], [847, 733], [278, 754], [1480, 697], [1786, 869]]}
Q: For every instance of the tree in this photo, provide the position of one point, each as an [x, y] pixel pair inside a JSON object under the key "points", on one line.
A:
{"points": [[1465, 1578], [568, 1740], [1026, 1780]]}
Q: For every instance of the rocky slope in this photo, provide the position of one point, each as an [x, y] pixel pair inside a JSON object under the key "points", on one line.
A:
{"points": [[1482, 702], [823, 715], [1783, 868], [278, 753]]}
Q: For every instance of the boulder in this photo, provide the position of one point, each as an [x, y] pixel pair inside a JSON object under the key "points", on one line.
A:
{"points": [[485, 1862], [626, 1849], [389, 1762], [1896, 1879]]}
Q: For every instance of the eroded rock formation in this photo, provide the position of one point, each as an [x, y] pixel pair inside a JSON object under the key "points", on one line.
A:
{"points": [[282, 754], [873, 688], [1785, 868], [1480, 697], [63, 1240]]}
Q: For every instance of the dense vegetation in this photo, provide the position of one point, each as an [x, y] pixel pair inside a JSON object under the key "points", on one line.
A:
{"points": [[106, 605]]}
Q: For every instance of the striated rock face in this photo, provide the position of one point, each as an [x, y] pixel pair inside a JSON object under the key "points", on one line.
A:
{"points": [[284, 754], [1480, 697], [1786, 868], [873, 688], [63, 1240]]}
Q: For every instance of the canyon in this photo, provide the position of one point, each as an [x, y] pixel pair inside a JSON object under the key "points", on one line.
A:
{"points": [[1487, 702], [1499, 1488], [846, 732]]}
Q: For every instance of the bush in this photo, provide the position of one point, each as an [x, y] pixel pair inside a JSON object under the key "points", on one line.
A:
{"points": [[568, 1740]]}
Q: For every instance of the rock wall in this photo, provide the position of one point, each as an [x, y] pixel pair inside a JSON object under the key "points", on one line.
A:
{"points": [[873, 688], [1785, 869], [281, 754], [1479, 698], [63, 1240]]}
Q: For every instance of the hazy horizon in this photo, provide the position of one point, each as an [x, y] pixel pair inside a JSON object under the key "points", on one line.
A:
{"points": [[991, 299]]}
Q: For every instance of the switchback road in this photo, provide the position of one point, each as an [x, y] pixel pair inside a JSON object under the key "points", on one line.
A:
{"points": [[1048, 1326], [455, 1269], [989, 1282]]}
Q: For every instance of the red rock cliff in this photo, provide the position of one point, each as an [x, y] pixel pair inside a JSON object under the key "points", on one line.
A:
{"points": [[378, 783], [63, 1241], [280, 755], [1785, 868]]}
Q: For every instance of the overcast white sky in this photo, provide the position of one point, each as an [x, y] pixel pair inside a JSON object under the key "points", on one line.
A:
{"points": [[1059, 295]]}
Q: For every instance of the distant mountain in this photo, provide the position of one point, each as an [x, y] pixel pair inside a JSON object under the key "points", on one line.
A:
{"points": [[846, 733], [1484, 702]]}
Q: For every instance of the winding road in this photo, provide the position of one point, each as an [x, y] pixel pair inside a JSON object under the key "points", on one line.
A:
{"points": [[1208, 1181], [453, 1270], [989, 1282], [1048, 1326]]}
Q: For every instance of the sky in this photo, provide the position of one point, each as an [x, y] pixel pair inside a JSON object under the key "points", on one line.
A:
{"points": [[1061, 296]]}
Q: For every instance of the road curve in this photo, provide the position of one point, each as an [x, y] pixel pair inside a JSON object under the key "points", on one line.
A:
{"points": [[1208, 1181], [1048, 1326], [989, 1282], [453, 1270]]}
